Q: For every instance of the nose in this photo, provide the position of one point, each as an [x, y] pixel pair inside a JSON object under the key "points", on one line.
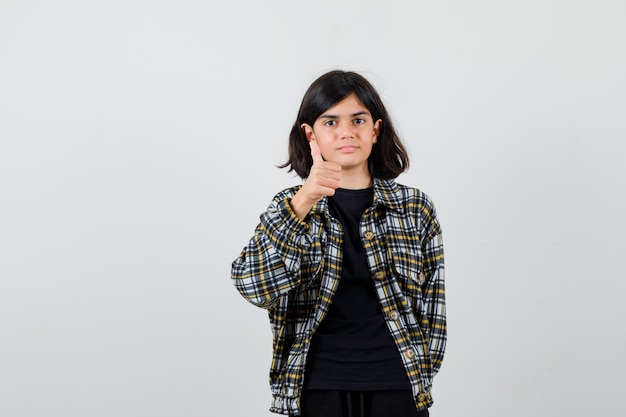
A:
{"points": [[346, 130]]}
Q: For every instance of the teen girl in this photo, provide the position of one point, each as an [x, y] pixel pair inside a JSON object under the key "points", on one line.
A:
{"points": [[349, 265]]}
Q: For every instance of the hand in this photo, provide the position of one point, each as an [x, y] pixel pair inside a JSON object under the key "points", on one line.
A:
{"points": [[324, 176], [323, 180]]}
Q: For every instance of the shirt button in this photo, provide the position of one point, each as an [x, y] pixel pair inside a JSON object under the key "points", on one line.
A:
{"points": [[393, 315], [368, 235], [421, 397], [379, 275], [409, 353]]}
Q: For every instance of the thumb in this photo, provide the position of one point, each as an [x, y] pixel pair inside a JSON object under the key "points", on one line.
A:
{"points": [[316, 154]]}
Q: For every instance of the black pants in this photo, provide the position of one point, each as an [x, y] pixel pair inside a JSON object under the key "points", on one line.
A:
{"points": [[322, 403]]}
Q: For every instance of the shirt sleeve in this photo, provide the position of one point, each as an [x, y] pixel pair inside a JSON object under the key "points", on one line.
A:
{"points": [[434, 287], [278, 256]]}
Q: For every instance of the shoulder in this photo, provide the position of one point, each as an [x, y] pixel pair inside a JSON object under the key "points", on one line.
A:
{"points": [[404, 197], [419, 205]]}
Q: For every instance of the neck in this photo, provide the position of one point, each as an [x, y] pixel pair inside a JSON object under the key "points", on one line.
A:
{"points": [[355, 181]]}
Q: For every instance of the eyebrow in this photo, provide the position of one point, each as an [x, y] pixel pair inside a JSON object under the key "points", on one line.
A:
{"points": [[332, 116]]}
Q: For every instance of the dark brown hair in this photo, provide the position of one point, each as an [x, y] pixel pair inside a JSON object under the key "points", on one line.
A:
{"points": [[388, 158]]}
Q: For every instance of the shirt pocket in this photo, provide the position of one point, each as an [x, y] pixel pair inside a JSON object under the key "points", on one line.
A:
{"points": [[407, 269], [406, 263]]}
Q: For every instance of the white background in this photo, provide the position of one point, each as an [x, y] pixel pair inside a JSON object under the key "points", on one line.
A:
{"points": [[138, 145]]}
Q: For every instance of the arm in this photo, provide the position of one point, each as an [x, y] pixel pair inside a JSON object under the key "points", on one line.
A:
{"points": [[273, 261], [434, 286]]}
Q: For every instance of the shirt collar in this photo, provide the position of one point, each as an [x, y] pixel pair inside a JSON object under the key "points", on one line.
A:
{"points": [[387, 193]]}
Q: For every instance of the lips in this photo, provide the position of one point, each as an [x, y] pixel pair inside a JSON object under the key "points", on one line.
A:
{"points": [[348, 148]]}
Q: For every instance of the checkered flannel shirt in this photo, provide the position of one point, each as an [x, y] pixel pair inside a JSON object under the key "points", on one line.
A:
{"points": [[292, 268]]}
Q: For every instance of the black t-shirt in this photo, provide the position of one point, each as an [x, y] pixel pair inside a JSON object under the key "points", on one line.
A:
{"points": [[352, 349]]}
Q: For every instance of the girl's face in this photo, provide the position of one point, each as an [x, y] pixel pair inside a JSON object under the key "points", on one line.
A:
{"points": [[345, 134]]}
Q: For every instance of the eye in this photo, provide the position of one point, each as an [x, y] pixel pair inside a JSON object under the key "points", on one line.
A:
{"points": [[359, 121], [330, 123]]}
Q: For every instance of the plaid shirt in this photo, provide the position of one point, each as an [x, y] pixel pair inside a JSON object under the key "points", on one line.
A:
{"points": [[292, 268]]}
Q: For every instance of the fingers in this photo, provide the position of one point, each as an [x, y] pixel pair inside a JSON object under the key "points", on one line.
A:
{"points": [[316, 154], [324, 176], [323, 180]]}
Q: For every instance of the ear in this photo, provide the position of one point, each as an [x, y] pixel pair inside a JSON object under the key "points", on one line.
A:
{"points": [[308, 131], [377, 125]]}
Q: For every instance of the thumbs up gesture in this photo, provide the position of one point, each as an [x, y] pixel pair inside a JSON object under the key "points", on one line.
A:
{"points": [[322, 181]]}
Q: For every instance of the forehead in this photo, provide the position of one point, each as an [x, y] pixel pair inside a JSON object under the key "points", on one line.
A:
{"points": [[346, 107]]}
